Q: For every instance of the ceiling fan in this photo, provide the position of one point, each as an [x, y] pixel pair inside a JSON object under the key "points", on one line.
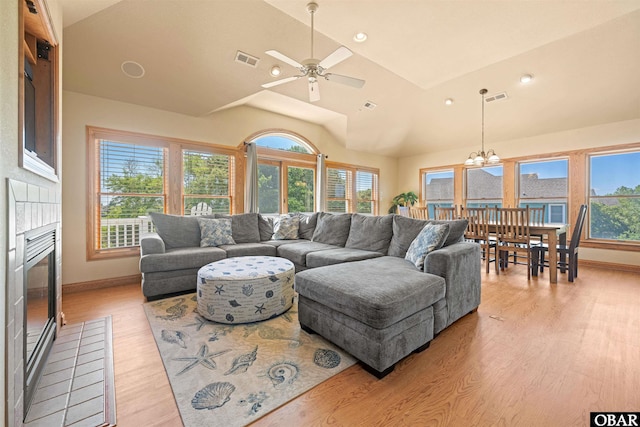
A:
{"points": [[313, 68]]}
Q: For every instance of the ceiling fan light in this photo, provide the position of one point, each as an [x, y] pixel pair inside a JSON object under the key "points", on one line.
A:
{"points": [[275, 71]]}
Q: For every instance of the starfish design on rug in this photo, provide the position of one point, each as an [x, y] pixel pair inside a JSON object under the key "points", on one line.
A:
{"points": [[218, 290], [202, 357], [259, 308], [199, 323]]}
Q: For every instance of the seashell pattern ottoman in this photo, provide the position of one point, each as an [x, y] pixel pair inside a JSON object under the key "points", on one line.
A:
{"points": [[245, 289]]}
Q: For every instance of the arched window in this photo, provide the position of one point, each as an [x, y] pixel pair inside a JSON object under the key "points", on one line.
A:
{"points": [[286, 172]]}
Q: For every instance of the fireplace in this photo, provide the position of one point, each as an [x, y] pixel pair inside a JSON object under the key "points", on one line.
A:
{"points": [[40, 303]]}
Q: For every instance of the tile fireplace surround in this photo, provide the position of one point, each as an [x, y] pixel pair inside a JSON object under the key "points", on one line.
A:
{"points": [[29, 207]]}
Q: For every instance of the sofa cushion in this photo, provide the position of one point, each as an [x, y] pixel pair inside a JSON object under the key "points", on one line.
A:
{"points": [[278, 243], [180, 259], [405, 231], [215, 232], [332, 229], [244, 226], [177, 231], [457, 227], [431, 238], [265, 228], [286, 227], [371, 233], [307, 225], [248, 249], [337, 256], [378, 292], [297, 252]]}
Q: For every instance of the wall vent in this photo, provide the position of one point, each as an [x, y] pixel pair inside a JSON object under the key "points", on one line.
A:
{"points": [[369, 105], [247, 59], [497, 97]]}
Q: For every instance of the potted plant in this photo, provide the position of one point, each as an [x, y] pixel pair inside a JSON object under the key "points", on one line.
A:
{"points": [[404, 200]]}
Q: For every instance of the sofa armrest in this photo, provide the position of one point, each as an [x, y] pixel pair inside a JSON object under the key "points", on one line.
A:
{"points": [[151, 243], [460, 265]]}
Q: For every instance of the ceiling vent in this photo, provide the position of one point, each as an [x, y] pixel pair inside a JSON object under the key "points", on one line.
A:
{"points": [[497, 97], [369, 105], [245, 58]]}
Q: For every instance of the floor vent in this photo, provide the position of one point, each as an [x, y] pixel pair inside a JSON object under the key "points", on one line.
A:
{"points": [[247, 59], [497, 97]]}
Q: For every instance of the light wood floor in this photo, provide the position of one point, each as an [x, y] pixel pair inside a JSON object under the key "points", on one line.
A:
{"points": [[534, 354]]}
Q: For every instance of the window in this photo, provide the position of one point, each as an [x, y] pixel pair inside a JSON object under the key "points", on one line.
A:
{"points": [[206, 182], [339, 183], [131, 175], [352, 189], [269, 188], [284, 142], [614, 196], [545, 183], [366, 192], [437, 188], [300, 189], [484, 187]]}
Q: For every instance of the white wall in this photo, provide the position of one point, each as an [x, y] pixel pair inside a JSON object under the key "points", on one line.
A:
{"points": [[228, 127], [596, 136]]}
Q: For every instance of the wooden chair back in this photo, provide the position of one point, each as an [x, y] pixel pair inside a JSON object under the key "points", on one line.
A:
{"points": [[477, 227], [577, 230], [447, 213], [513, 226], [536, 215], [419, 212]]}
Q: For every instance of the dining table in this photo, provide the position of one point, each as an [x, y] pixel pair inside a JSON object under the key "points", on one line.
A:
{"points": [[555, 234]]}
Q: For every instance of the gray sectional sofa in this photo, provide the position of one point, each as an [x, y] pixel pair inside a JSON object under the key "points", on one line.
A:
{"points": [[354, 285]]}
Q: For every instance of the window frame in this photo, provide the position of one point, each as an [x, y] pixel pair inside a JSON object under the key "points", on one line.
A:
{"points": [[351, 193], [173, 176], [548, 201]]}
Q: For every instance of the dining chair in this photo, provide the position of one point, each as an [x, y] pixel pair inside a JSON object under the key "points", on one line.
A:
{"points": [[446, 213], [512, 233], [478, 231], [419, 212], [570, 251]]}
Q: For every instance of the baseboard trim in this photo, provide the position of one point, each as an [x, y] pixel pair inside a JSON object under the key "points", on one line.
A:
{"points": [[101, 283], [609, 266]]}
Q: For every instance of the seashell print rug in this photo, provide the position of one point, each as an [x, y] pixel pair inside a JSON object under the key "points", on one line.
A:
{"points": [[231, 375]]}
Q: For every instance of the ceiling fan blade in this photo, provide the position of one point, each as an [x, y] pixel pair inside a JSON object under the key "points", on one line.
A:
{"points": [[314, 91], [284, 58], [345, 80], [338, 55], [279, 82]]}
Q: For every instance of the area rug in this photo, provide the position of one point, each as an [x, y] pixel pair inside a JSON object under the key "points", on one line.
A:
{"points": [[231, 375]]}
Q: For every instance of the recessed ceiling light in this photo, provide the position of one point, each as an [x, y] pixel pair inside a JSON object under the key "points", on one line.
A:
{"points": [[448, 101], [132, 69], [526, 78], [275, 71], [360, 37]]}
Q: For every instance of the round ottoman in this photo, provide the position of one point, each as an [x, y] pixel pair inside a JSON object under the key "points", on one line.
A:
{"points": [[245, 289]]}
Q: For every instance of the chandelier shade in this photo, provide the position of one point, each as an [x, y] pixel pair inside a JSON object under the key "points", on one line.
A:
{"points": [[479, 158]]}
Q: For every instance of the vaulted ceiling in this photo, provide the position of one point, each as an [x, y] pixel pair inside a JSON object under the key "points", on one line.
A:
{"points": [[584, 56]]}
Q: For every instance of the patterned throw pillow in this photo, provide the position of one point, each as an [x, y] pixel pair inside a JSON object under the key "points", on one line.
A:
{"points": [[431, 237], [286, 228], [215, 232]]}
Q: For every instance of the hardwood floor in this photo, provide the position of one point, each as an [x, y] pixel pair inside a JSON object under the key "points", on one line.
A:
{"points": [[534, 354]]}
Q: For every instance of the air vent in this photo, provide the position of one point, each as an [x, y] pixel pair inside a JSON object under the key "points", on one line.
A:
{"points": [[247, 59], [369, 105], [497, 97]]}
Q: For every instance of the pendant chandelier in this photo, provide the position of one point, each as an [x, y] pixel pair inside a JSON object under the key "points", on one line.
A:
{"points": [[479, 158]]}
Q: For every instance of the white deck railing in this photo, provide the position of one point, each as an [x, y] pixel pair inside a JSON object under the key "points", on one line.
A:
{"points": [[124, 232]]}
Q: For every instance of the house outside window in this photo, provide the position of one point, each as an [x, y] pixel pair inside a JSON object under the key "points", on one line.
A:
{"points": [[484, 187], [545, 184], [438, 189], [614, 196]]}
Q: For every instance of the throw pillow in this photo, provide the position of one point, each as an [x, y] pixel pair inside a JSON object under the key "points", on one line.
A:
{"points": [[307, 225], [265, 227], [457, 227], [431, 237], [286, 228], [332, 229], [176, 231], [370, 233], [215, 232]]}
